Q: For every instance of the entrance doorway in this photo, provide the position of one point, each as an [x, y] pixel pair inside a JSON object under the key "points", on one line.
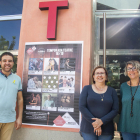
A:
{"points": [[122, 45]]}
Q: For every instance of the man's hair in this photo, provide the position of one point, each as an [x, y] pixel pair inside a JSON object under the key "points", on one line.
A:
{"points": [[7, 53], [50, 95]]}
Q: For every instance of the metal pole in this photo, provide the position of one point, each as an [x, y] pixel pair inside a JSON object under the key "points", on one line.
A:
{"points": [[104, 39]]}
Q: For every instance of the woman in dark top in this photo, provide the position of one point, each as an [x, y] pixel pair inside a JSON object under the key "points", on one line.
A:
{"points": [[98, 104]]}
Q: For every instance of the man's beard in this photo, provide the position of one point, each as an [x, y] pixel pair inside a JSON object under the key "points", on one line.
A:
{"points": [[3, 69]]}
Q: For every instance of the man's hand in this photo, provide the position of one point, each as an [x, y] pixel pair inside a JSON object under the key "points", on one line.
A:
{"points": [[18, 123], [97, 123]]}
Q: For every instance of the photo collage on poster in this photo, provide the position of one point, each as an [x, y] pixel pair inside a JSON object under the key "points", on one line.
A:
{"points": [[51, 84]]}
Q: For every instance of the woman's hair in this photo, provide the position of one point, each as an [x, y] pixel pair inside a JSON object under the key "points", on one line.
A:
{"points": [[134, 63], [55, 64], [99, 67], [72, 78], [49, 60]]}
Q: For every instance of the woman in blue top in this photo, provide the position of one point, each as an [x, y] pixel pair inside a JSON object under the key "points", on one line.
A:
{"points": [[98, 104], [129, 123]]}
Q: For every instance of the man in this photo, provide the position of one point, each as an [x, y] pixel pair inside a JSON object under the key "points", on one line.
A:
{"points": [[10, 91], [61, 82], [31, 64], [49, 102], [38, 64], [32, 82]]}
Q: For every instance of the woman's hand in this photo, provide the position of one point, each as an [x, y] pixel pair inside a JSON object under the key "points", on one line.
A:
{"points": [[97, 123], [98, 131]]}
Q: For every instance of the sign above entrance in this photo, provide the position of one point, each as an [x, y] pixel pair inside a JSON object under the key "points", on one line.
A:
{"points": [[52, 6]]}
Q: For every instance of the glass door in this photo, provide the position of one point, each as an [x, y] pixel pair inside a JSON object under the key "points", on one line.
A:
{"points": [[122, 41]]}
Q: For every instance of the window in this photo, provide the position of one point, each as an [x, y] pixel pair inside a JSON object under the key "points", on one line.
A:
{"points": [[10, 21], [117, 4], [10, 7], [9, 34]]}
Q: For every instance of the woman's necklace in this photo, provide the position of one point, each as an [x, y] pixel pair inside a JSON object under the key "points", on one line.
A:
{"points": [[132, 97], [101, 89], [102, 97]]}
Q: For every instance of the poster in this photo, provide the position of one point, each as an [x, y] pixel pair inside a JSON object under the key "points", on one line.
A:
{"points": [[52, 82]]}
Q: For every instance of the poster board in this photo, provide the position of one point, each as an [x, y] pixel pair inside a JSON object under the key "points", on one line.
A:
{"points": [[52, 82]]}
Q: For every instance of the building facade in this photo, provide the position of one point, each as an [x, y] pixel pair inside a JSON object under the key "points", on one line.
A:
{"points": [[109, 30]]}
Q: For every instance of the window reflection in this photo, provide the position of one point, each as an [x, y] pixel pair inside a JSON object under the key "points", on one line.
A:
{"points": [[101, 6], [117, 4], [115, 65], [10, 7], [121, 33], [9, 34]]}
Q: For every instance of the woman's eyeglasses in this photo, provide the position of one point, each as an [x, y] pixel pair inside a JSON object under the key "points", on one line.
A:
{"points": [[101, 73], [133, 69]]}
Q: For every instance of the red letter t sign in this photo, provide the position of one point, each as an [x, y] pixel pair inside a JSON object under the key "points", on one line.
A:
{"points": [[52, 6]]}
